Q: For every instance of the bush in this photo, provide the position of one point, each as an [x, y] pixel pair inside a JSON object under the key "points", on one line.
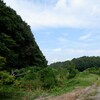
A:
{"points": [[6, 78], [71, 69], [29, 81], [2, 62], [72, 73], [30, 76], [48, 77], [94, 70], [62, 75]]}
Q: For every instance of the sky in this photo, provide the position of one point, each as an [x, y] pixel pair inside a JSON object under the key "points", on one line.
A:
{"points": [[63, 29]]}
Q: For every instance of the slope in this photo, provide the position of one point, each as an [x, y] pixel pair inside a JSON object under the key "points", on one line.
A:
{"points": [[17, 43]]}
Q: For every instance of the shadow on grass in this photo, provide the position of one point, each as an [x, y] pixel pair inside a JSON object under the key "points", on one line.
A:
{"points": [[10, 96]]}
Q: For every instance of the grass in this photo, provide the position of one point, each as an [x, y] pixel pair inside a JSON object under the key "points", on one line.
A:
{"points": [[81, 80], [85, 79], [98, 83]]}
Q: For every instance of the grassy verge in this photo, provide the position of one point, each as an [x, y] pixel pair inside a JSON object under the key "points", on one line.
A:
{"points": [[81, 80]]}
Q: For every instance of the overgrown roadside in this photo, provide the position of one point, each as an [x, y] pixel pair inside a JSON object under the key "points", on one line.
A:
{"points": [[78, 94], [68, 96], [88, 92], [91, 93]]}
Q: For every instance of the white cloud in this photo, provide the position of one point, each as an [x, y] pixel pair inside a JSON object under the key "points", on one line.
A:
{"points": [[65, 13], [61, 5], [94, 52], [74, 51], [62, 39], [86, 36], [57, 50]]}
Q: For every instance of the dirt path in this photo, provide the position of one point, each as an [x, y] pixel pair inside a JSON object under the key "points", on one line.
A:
{"points": [[68, 96], [78, 94], [93, 93], [97, 97], [87, 92]]}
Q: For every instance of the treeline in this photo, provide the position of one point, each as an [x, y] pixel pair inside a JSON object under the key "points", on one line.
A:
{"points": [[81, 63]]}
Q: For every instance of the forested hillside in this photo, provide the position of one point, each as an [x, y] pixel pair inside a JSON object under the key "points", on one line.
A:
{"points": [[18, 47], [81, 63]]}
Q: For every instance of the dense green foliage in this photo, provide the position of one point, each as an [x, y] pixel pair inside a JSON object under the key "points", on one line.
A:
{"points": [[42, 82], [84, 62], [17, 43], [2, 62], [81, 63], [94, 70], [5, 78], [48, 77]]}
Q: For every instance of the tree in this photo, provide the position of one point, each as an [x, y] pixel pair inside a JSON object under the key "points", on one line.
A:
{"points": [[2, 62], [17, 43]]}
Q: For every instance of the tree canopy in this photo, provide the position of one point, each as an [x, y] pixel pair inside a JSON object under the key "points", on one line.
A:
{"points": [[17, 43], [81, 63]]}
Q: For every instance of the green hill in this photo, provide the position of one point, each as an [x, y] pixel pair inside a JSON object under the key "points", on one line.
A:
{"points": [[81, 63], [17, 43]]}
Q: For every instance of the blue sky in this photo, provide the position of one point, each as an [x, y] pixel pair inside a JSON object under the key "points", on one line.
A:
{"points": [[63, 29]]}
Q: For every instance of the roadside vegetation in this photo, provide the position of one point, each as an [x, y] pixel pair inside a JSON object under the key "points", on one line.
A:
{"points": [[44, 82]]}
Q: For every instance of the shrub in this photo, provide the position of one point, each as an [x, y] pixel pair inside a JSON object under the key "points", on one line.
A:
{"points": [[2, 62], [30, 76], [48, 77], [62, 75], [72, 70], [72, 73], [94, 70], [6, 78]]}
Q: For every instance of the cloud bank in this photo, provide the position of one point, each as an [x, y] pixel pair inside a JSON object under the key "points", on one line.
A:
{"points": [[58, 13]]}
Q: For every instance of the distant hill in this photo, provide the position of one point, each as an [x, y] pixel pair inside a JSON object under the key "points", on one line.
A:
{"points": [[81, 63], [17, 43]]}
